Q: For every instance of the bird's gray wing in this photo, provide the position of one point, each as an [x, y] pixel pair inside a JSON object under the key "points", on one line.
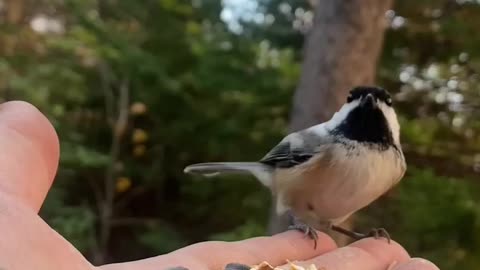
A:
{"points": [[294, 150]]}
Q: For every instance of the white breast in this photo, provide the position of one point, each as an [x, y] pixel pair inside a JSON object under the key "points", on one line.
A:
{"points": [[338, 182]]}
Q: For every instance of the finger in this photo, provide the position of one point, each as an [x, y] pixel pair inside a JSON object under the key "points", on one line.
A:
{"points": [[30, 152], [275, 249], [367, 254], [416, 264]]}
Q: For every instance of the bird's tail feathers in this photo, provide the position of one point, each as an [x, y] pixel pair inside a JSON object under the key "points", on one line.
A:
{"points": [[260, 171]]}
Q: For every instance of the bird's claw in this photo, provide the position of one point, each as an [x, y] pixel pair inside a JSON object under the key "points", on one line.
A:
{"points": [[308, 231], [379, 232], [375, 233]]}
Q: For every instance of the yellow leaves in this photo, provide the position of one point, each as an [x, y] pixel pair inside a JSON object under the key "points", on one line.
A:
{"points": [[139, 136], [138, 108], [123, 184], [139, 150]]}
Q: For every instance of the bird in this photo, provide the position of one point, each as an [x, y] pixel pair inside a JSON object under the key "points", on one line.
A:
{"points": [[323, 174]]}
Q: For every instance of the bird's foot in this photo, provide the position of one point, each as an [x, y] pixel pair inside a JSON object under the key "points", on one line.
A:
{"points": [[308, 231], [375, 233], [379, 232]]}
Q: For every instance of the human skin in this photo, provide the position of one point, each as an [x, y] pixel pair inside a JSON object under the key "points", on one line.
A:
{"points": [[28, 164]]}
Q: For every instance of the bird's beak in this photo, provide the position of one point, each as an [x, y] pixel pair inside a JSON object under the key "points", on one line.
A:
{"points": [[369, 101]]}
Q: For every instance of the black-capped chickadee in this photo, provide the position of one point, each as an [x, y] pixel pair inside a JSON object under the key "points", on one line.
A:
{"points": [[325, 173]]}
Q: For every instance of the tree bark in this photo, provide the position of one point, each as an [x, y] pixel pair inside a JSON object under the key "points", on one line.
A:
{"points": [[15, 10], [341, 51]]}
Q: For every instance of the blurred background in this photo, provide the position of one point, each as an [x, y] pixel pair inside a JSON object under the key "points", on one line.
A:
{"points": [[139, 89]]}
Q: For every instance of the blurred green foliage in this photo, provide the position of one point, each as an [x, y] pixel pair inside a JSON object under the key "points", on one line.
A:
{"points": [[204, 86]]}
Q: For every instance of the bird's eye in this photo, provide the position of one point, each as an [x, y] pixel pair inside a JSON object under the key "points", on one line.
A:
{"points": [[349, 98], [388, 101]]}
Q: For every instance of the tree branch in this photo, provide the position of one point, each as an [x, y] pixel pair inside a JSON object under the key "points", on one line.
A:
{"points": [[118, 132], [109, 98]]}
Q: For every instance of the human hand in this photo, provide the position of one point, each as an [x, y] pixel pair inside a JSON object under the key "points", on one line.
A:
{"points": [[28, 164]]}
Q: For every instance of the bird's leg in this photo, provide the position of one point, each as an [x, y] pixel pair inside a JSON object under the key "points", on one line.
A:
{"points": [[237, 266], [375, 232], [297, 224]]}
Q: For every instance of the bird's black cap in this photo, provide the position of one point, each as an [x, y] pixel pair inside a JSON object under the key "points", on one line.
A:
{"points": [[377, 92]]}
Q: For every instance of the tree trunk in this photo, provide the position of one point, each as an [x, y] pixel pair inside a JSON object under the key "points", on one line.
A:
{"points": [[341, 51], [15, 11]]}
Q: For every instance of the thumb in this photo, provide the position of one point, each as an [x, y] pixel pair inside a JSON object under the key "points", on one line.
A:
{"points": [[29, 153]]}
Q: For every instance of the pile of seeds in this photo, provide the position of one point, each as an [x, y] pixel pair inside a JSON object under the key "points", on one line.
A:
{"points": [[267, 266]]}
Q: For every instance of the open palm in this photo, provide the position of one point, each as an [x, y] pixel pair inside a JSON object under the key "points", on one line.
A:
{"points": [[28, 164]]}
